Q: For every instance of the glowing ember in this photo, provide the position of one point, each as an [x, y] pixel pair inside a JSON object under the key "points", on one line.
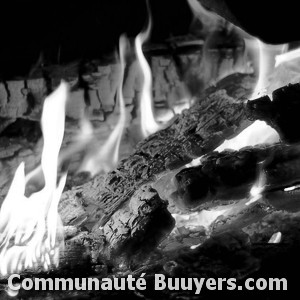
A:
{"points": [[275, 238], [292, 188], [148, 123], [258, 187], [107, 157], [193, 247], [28, 225], [203, 218]]}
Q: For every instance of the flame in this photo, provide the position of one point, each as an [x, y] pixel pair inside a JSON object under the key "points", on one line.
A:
{"points": [[210, 20], [264, 69], [258, 132], [148, 123], [28, 225], [186, 104], [266, 64], [286, 57], [292, 188], [84, 136], [258, 187], [10, 292], [195, 220], [107, 157], [203, 218], [275, 238]]}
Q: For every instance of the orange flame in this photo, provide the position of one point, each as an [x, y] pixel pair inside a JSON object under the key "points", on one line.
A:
{"points": [[107, 157], [148, 123], [28, 225]]}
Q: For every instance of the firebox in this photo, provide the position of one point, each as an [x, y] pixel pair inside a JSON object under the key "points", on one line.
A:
{"points": [[149, 149]]}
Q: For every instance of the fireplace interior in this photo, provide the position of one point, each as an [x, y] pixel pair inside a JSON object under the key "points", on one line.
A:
{"points": [[149, 137]]}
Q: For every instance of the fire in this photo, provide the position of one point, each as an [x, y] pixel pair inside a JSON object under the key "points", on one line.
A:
{"points": [[203, 218], [264, 63], [83, 137], [286, 57], [257, 133], [292, 188], [209, 19], [265, 66], [258, 187], [187, 102], [148, 123], [29, 225], [106, 158], [275, 238]]}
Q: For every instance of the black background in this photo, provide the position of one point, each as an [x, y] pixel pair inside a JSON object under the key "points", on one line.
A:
{"points": [[80, 29], [91, 28]]}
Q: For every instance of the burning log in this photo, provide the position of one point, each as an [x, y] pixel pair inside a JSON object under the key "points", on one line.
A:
{"points": [[282, 113], [131, 218], [230, 175], [93, 91], [113, 214], [197, 131]]}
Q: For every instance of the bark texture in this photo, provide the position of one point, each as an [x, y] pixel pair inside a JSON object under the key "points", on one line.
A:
{"points": [[230, 175], [197, 131]]}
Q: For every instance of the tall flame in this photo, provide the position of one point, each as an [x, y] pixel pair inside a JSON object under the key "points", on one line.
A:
{"points": [[259, 132], [266, 64], [148, 123], [28, 225], [107, 157], [264, 69]]}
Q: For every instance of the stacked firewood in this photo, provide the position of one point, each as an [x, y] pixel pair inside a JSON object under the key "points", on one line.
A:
{"points": [[120, 218]]}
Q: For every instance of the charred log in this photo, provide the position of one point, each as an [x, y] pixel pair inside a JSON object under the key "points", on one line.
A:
{"points": [[229, 175], [230, 254], [282, 113], [197, 131]]}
